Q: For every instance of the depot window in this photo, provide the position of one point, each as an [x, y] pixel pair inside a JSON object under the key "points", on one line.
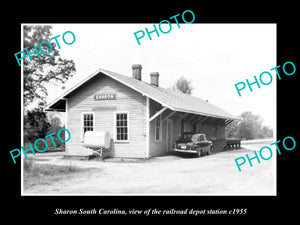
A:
{"points": [[121, 126], [87, 123]]}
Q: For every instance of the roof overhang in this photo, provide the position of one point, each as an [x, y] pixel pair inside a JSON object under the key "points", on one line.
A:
{"points": [[59, 104], [209, 115], [51, 106]]}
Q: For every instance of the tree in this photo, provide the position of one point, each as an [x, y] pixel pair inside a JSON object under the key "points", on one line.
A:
{"points": [[44, 69], [183, 85], [267, 132], [231, 130], [250, 128], [36, 124], [54, 127]]}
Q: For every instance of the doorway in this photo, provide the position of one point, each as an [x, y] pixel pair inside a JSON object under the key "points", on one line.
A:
{"points": [[169, 135]]}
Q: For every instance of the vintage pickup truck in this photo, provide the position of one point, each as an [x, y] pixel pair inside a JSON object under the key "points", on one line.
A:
{"points": [[193, 143]]}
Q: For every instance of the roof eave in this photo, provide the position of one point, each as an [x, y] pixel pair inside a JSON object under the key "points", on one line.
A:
{"points": [[209, 115], [50, 107], [63, 96]]}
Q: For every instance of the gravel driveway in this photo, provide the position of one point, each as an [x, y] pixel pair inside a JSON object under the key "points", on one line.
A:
{"points": [[214, 174]]}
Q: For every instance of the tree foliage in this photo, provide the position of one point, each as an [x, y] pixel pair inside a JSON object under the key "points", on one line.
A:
{"points": [[250, 128], [39, 72], [183, 85], [44, 69], [231, 130], [36, 124], [55, 126]]}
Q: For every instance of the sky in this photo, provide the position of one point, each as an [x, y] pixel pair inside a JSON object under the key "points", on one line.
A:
{"points": [[214, 57]]}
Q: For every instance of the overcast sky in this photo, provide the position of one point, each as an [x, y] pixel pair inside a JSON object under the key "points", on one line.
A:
{"points": [[212, 56]]}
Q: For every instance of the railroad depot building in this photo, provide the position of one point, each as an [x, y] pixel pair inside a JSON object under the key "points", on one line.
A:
{"points": [[143, 119]]}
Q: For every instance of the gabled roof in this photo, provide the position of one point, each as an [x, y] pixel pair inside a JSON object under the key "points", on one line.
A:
{"points": [[173, 100]]}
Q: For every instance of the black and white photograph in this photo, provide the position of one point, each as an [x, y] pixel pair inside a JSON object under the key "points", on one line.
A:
{"points": [[136, 112], [162, 117]]}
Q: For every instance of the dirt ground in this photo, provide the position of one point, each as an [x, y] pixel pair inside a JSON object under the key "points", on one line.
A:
{"points": [[215, 174]]}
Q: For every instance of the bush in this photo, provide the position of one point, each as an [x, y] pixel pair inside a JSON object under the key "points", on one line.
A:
{"points": [[36, 124]]}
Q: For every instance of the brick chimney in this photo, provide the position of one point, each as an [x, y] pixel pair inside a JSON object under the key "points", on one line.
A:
{"points": [[137, 71], [154, 78]]}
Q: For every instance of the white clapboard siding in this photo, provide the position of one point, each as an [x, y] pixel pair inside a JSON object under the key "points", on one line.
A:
{"points": [[82, 100]]}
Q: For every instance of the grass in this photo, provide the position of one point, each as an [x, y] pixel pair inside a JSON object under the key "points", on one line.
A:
{"points": [[45, 174]]}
